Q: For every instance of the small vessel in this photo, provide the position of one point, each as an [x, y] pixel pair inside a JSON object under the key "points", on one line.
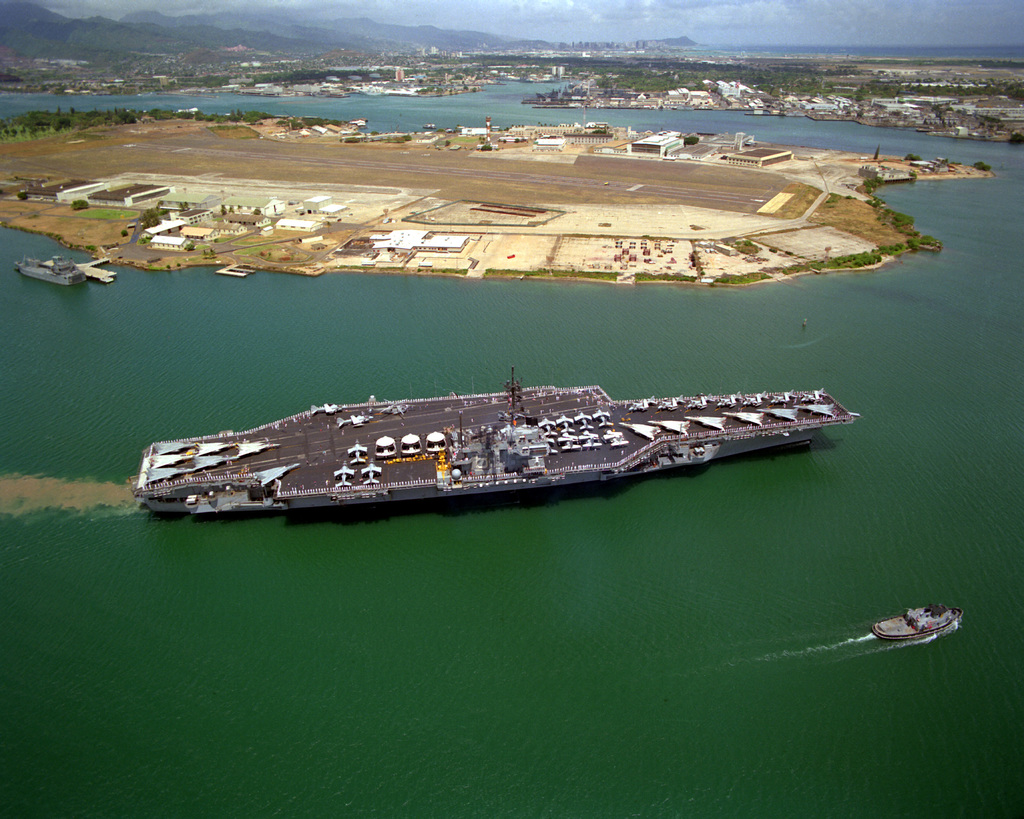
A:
{"points": [[59, 270], [918, 623]]}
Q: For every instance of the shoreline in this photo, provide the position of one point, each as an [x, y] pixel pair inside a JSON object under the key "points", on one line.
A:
{"points": [[525, 275]]}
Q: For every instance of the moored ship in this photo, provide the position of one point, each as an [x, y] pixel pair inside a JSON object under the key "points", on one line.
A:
{"points": [[466, 446], [58, 270]]}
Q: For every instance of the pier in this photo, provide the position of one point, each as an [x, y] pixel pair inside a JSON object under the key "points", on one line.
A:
{"points": [[93, 272]]}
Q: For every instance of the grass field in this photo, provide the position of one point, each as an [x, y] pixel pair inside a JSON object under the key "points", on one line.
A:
{"points": [[105, 213]]}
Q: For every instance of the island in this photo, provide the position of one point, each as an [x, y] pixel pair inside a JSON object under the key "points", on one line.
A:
{"points": [[576, 201]]}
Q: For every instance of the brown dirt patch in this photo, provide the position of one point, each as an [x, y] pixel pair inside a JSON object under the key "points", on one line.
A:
{"points": [[858, 218], [60, 220], [233, 132]]}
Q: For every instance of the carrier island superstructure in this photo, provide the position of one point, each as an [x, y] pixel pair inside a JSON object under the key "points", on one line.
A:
{"points": [[466, 446]]}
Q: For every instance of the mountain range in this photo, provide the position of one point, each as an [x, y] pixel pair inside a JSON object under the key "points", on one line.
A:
{"points": [[30, 30]]}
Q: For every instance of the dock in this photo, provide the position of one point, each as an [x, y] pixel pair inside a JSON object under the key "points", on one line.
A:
{"points": [[92, 271], [239, 271]]}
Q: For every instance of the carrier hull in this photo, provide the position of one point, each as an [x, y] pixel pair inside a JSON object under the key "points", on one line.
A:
{"points": [[485, 448]]}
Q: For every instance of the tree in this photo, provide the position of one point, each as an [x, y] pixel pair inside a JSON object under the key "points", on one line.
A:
{"points": [[149, 218], [79, 204]]}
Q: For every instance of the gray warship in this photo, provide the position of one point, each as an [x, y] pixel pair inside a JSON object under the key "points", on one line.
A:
{"points": [[58, 270], [479, 447]]}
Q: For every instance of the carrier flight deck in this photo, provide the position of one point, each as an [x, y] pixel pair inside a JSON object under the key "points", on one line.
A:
{"points": [[464, 446]]}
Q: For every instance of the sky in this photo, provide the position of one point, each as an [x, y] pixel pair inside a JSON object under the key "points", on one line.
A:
{"points": [[719, 23]]}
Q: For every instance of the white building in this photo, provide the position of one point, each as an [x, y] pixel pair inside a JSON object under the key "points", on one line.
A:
{"points": [[169, 242], [316, 204], [413, 240], [308, 225], [168, 226], [549, 143], [268, 206], [658, 144]]}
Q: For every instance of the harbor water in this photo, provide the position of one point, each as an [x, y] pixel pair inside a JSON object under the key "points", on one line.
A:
{"points": [[695, 644]]}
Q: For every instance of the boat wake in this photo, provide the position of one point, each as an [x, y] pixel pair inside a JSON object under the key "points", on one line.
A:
{"points": [[803, 343], [25, 494], [803, 652], [852, 647]]}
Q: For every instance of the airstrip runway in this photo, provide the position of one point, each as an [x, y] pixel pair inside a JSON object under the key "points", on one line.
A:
{"points": [[448, 174]]}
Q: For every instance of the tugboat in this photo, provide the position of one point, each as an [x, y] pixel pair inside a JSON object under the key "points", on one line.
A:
{"points": [[918, 623]]}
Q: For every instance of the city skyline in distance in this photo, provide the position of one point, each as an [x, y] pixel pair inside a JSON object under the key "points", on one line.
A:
{"points": [[714, 23]]}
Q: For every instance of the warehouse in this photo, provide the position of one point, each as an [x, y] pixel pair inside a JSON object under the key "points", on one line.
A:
{"points": [[657, 145], [759, 157], [128, 196]]}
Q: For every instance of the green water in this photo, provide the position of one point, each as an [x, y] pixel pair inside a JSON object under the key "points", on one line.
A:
{"points": [[690, 645]]}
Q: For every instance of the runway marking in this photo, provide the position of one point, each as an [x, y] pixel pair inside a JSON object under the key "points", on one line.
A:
{"points": [[776, 202], [634, 188]]}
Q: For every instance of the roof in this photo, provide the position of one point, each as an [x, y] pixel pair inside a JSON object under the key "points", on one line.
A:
{"points": [[164, 226], [299, 224], [416, 240], [761, 153], [128, 191], [662, 139], [58, 188], [176, 241]]}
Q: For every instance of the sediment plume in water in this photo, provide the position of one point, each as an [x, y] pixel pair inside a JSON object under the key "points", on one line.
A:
{"points": [[24, 494]]}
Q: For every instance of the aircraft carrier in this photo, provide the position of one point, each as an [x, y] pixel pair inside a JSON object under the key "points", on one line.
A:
{"points": [[481, 446]]}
